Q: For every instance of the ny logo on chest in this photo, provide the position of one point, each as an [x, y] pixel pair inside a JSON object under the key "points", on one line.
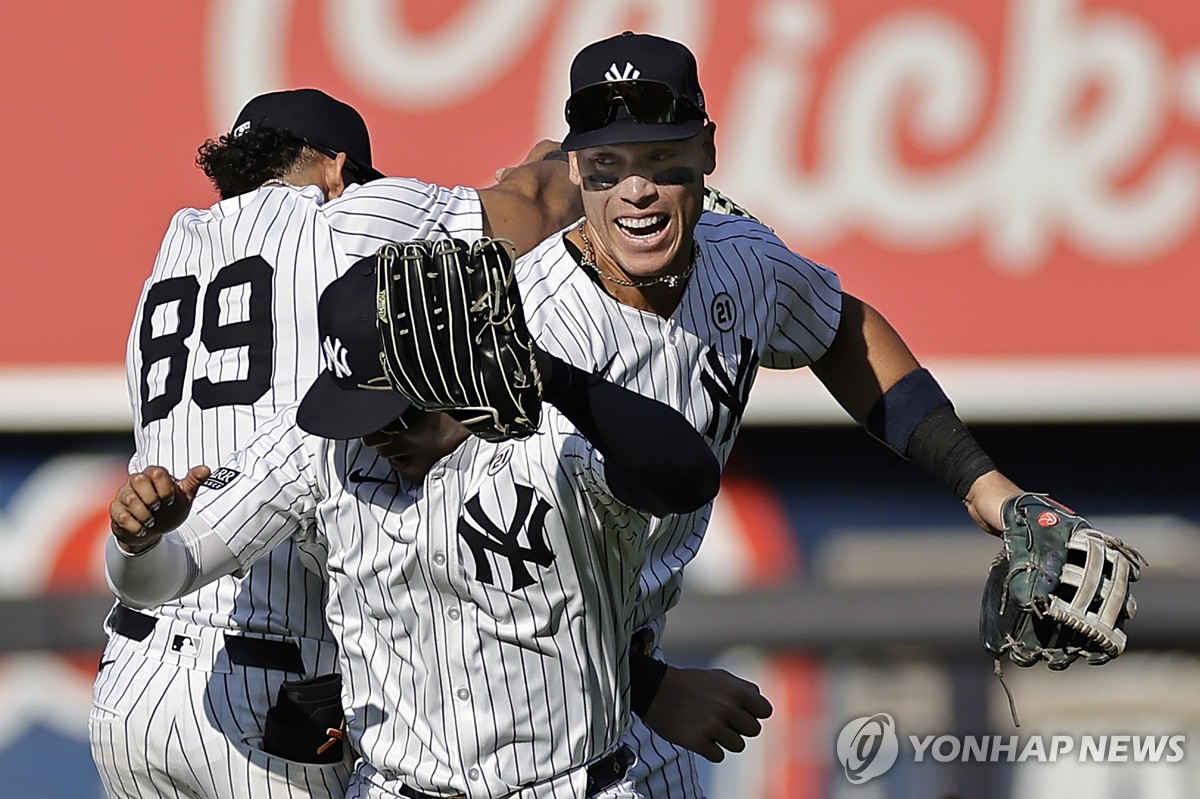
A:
{"points": [[483, 535], [728, 394]]}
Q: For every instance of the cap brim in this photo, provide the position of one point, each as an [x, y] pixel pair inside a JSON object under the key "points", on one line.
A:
{"points": [[368, 173], [628, 131], [330, 411]]}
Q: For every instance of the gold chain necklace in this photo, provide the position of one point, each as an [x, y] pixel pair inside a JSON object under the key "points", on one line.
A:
{"points": [[283, 183], [671, 281]]}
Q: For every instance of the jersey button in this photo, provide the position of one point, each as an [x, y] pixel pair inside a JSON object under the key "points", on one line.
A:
{"points": [[439, 559], [453, 614], [463, 693], [473, 774]]}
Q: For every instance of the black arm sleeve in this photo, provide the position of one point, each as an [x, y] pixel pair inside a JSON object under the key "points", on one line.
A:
{"points": [[654, 459], [645, 676]]}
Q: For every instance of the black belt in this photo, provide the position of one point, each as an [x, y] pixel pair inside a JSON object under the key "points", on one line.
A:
{"points": [[242, 649], [604, 773]]}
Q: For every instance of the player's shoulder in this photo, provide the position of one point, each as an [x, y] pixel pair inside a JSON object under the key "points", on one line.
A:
{"points": [[399, 209], [399, 191], [724, 236], [727, 231], [190, 217]]}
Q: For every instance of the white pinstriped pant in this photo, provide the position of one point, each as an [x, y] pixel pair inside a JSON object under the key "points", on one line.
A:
{"points": [[662, 771], [165, 723]]}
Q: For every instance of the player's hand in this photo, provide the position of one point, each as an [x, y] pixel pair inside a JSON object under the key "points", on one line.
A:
{"points": [[985, 499], [537, 153], [708, 711], [151, 503]]}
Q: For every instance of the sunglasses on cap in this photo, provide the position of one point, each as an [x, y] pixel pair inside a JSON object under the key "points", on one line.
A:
{"points": [[648, 103]]}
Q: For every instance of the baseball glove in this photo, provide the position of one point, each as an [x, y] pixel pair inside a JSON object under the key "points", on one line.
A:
{"points": [[1059, 590], [454, 335], [718, 203]]}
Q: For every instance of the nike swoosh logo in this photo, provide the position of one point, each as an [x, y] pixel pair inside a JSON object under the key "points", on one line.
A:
{"points": [[357, 476], [604, 370], [104, 663]]}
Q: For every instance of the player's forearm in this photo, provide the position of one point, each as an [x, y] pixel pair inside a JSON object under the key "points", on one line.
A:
{"points": [[533, 201], [654, 459], [179, 563]]}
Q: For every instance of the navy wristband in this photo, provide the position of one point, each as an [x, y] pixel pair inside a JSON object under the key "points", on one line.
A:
{"points": [[903, 407]]}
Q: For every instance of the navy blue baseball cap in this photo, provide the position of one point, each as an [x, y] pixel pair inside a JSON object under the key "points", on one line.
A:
{"points": [[323, 123], [633, 87], [351, 398]]}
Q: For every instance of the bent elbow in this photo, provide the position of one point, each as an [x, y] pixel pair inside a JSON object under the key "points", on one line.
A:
{"points": [[709, 481], [692, 488]]}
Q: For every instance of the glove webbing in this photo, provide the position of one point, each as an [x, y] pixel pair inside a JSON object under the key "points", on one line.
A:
{"points": [[1089, 581]]}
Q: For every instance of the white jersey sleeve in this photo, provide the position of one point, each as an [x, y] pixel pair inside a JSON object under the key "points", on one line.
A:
{"points": [[399, 209], [265, 493]]}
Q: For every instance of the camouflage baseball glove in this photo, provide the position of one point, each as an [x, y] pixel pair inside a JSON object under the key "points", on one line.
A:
{"points": [[1059, 590], [454, 335], [718, 203]]}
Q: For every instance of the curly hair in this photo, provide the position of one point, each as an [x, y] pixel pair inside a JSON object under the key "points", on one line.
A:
{"points": [[238, 164]]}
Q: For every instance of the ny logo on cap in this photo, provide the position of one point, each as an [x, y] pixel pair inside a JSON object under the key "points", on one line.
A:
{"points": [[335, 357], [630, 72]]}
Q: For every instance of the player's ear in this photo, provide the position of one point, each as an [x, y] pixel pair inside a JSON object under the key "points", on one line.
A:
{"points": [[333, 176], [573, 168], [710, 147]]}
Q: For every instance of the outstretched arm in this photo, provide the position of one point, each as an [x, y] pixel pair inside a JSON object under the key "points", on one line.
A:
{"points": [[265, 495], [872, 373], [147, 560], [531, 201]]}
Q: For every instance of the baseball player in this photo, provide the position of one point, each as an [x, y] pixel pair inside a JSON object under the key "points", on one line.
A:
{"points": [[224, 336], [482, 615], [686, 306]]}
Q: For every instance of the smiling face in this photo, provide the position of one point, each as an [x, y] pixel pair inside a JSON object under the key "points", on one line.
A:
{"points": [[643, 200]]}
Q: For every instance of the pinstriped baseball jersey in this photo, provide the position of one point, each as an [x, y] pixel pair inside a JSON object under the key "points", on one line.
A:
{"points": [[225, 335], [482, 616], [751, 302]]}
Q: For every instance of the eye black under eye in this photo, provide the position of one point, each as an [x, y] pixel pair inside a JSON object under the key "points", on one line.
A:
{"points": [[599, 181], [675, 176]]}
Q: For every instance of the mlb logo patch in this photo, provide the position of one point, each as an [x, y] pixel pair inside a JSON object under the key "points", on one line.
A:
{"points": [[184, 646], [220, 478]]}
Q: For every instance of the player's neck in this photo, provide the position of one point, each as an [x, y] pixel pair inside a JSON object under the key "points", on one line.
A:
{"points": [[660, 300], [658, 296]]}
